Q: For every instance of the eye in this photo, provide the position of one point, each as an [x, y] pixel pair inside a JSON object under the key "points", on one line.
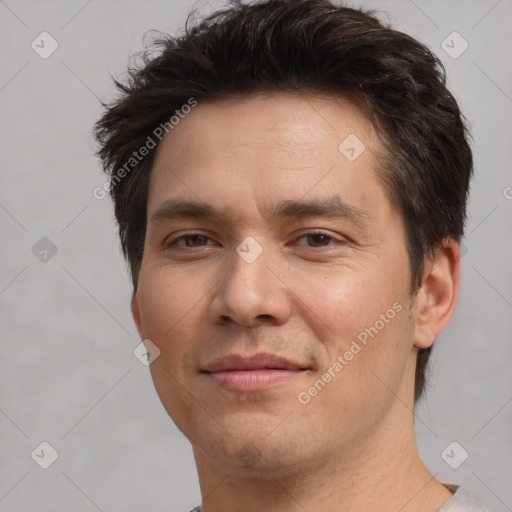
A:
{"points": [[313, 240], [317, 239], [193, 240]]}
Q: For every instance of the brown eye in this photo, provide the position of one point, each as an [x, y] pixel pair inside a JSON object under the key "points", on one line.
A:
{"points": [[323, 241], [318, 239], [194, 240]]}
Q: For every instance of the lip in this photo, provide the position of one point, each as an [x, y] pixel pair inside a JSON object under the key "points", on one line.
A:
{"points": [[255, 373], [260, 361]]}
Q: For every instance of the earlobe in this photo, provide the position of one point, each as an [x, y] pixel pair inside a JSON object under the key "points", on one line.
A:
{"points": [[136, 315], [437, 299]]}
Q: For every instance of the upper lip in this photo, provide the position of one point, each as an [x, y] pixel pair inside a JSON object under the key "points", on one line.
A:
{"points": [[258, 361]]}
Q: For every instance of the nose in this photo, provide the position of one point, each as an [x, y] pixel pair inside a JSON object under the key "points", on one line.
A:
{"points": [[251, 293]]}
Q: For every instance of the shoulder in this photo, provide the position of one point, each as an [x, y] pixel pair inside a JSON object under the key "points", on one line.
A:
{"points": [[461, 501]]}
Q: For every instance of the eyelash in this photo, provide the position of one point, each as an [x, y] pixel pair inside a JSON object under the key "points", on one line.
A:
{"points": [[173, 243]]}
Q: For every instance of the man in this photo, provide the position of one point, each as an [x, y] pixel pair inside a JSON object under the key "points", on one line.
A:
{"points": [[290, 180]]}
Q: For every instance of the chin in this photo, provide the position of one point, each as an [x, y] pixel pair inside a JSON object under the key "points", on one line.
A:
{"points": [[256, 449]]}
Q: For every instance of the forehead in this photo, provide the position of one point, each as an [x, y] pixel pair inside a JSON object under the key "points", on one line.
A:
{"points": [[267, 146], [291, 126]]}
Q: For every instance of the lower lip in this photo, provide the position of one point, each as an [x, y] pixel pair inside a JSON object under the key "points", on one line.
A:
{"points": [[252, 380]]}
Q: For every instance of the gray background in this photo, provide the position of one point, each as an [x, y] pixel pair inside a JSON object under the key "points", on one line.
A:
{"points": [[68, 375]]}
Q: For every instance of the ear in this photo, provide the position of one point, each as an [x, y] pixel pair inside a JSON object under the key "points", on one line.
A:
{"points": [[136, 315], [437, 298]]}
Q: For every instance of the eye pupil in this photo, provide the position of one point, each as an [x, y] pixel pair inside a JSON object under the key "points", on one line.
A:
{"points": [[196, 240], [318, 239]]}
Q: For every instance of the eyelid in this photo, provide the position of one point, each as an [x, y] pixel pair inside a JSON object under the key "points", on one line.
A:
{"points": [[306, 232], [168, 242], [335, 238]]}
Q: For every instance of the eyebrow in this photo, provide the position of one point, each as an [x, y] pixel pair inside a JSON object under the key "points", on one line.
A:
{"points": [[332, 207]]}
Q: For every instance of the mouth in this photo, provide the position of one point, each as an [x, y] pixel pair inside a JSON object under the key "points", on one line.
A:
{"points": [[255, 373]]}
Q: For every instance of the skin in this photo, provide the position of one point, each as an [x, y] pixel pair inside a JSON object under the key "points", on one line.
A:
{"points": [[306, 298]]}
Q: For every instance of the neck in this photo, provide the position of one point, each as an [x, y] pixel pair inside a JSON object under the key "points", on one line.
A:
{"points": [[379, 473]]}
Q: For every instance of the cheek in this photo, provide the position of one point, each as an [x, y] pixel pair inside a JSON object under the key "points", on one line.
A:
{"points": [[170, 307], [365, 325], [167, 292], [343, 301], [168, 303], [364, 377]]}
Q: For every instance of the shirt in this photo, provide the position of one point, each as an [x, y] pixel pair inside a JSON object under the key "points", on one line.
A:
{"points": [[461, 501]]}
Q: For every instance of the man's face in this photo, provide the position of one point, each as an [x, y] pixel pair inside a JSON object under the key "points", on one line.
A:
{"points": [[270, 277]]}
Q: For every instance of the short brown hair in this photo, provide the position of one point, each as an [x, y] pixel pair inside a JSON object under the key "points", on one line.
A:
{"points": [[303, 46]]}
